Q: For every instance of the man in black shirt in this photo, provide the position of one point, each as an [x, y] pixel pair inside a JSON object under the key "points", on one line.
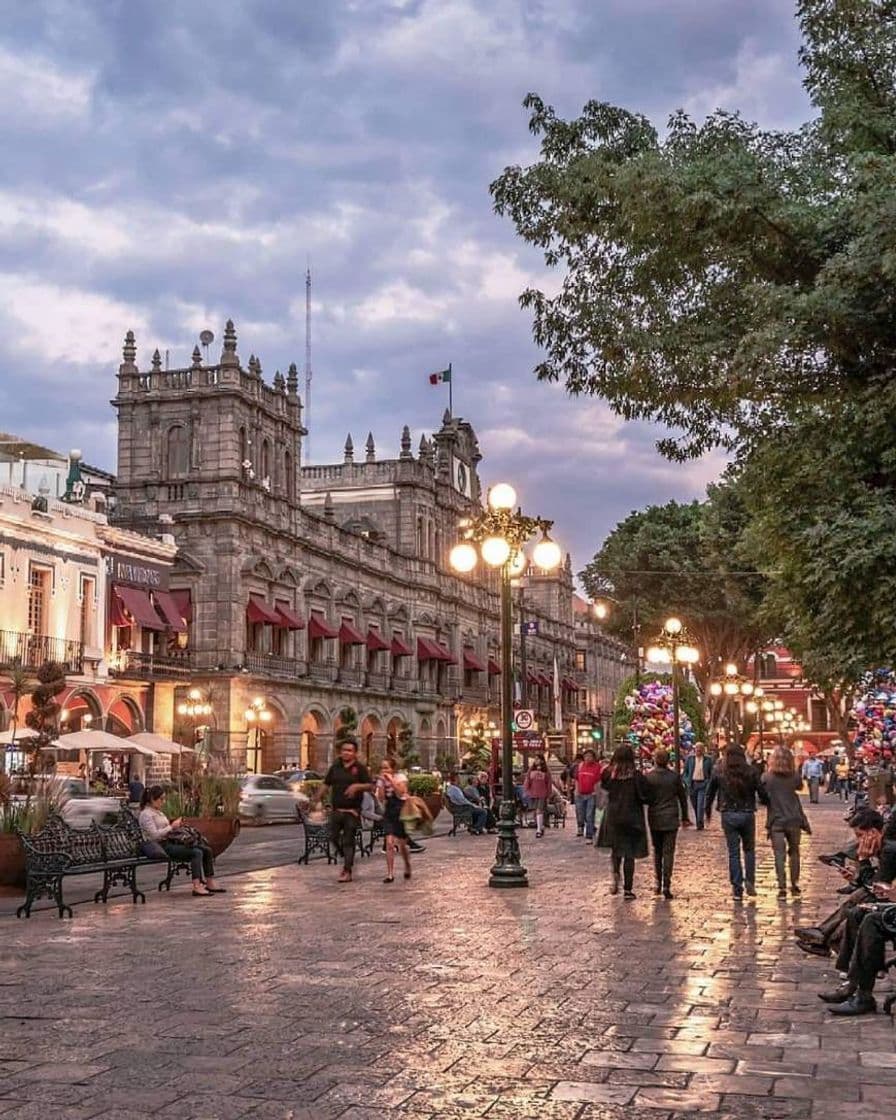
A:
{"points": [[346, 781]]}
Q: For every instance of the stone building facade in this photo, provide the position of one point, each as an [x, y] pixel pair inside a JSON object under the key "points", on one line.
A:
{"points": [[310, 590]]}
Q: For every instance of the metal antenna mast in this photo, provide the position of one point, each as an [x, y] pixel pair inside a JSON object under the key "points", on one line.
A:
{"points": [[307, 361]]}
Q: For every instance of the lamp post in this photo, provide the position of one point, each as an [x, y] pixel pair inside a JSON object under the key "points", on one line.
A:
{"points": [[731, 686], [498, 535], [673, 645], [257, 715], [761, 708]]}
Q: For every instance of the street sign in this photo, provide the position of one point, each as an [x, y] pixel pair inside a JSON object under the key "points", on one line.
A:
{"points": [[529, 629], [524, 719], [528, 741]]}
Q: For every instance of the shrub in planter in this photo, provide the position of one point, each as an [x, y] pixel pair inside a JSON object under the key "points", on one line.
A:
{"points": [[429, 788]]}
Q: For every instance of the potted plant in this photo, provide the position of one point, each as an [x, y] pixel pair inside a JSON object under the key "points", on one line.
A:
{"points": [[211, 806], [27, 813], [429, 789]]}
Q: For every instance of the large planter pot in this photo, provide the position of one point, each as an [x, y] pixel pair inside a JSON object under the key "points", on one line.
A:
{"points": [[12, 861], [433, 802], [219, 831]]}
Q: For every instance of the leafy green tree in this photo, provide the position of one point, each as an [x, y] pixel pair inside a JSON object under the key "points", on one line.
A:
{"points": [[17, 682], [348, 726], [43, 717], [719, 275], [477, 753], [406, 745]]}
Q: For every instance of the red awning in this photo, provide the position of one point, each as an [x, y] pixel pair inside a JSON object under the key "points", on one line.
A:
{"points": [[531, 678], [545, 680], [471, 661], [259, 610], [319, 628], [288, 617], [375, 641], [184, 603], [118, 616], [399, 649], [167, 608], [136, 602], [447, 656], [349, 636], [494, 669], [428, 650]]}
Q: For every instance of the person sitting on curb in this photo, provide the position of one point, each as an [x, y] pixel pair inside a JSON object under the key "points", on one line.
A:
{"points": [[872, 926], [160, 833]]}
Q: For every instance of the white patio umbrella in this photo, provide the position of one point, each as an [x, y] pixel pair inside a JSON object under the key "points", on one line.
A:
{"points": [[20, 733], [158, 744], [100, 742]]}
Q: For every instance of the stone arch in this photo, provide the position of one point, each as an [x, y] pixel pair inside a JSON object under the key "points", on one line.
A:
{"points": [[425, 619], [124, 717], [315, 733], [377, 607], [393, 726], [349, 598], [177, 451], [398, 613], [80, 704], [289, 577], [371, 737]]}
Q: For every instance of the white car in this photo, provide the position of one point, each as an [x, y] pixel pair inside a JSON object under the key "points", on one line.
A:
{"points": [[78, 808], [264, 798]]}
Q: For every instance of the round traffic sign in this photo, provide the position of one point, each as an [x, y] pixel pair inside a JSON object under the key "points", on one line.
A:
{"points": [[525, 719]]}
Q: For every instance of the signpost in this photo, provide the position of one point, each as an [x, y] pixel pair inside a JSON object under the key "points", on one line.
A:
{"points": [[524, 718]]}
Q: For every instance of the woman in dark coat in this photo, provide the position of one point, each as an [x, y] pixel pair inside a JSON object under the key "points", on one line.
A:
{"points": [[667, 809], [622, 828]]}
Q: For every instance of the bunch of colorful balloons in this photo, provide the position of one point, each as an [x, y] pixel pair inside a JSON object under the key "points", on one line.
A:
{"points": [[652, 723], [874, 715]]}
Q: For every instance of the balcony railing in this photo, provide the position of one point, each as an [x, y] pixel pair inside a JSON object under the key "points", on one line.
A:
{"points": [[377, 681], [134, 663], [274, 665], [324, 672], [351, 675], [32, 650], [404, 684]]}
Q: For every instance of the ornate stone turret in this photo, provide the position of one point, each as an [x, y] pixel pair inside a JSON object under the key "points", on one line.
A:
{"points": [[349, 449], [251, 365], [329, 511], [197, 357], [370, 449], [129, 353], [156, 361], [228, 354], [292, 380], [279, 383], [425, 455], [406, 443]]}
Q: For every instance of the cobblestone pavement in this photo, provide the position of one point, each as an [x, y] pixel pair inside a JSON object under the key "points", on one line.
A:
{"points": [[293, 997]]}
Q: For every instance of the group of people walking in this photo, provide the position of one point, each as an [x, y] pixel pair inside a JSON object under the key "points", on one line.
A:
{"points": [[734, 783]]}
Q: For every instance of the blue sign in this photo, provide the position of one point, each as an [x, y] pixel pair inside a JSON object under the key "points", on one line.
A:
{"points": [[529, 629]]}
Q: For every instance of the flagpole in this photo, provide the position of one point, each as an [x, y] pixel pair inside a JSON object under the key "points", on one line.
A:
{"points": [[450, 392]]}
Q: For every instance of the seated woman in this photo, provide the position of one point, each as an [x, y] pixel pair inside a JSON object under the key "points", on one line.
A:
{"points": [[158, 831]]}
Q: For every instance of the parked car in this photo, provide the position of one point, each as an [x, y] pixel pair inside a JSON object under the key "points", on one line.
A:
{"points": [[78, 808], [265, 797]]}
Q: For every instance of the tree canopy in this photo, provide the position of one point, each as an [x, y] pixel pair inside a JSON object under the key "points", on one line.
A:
{"points": [[720, 276]]}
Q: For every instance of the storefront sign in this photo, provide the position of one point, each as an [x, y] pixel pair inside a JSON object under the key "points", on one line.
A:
{"points": [[133, 571]]}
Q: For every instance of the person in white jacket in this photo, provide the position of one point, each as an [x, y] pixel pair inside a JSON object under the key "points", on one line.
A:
{"points": [[157, 830]]}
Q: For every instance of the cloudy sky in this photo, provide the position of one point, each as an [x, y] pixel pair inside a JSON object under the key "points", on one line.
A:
{"points": [[167, 165]]}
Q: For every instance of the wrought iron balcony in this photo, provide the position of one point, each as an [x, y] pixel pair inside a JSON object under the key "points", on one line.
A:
{"points": [[351, 675], [32, 650], [274, 665], [377, 681], [323, 672], [135, 663]]}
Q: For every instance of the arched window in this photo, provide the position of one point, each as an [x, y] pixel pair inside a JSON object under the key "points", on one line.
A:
{"points": [[769, 666], [290, 480], [265, 459], [177, 459], [244, 446], [420, 538], [437, 555]]}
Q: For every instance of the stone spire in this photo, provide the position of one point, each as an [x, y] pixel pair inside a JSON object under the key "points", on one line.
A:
{"points": [[252, 365], [279, 383], [370, 448], [258, 368], [446, 418], [129, 353], [156, 361], [228, 354], [329, 511], [426, 449], [406, 443], [197, 357], [292, 380], [349, 449]]}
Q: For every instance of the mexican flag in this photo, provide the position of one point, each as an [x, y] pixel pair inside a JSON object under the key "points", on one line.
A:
{"points": [[444, 375]]}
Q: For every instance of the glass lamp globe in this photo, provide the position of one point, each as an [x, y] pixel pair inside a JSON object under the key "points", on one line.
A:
{"points": [[730, 688], [673, 626], [495, 551], [688, 655], [601, 610], [655, 654], [181, 709], [752, 707], [502, 496], [547, 554], [716, 688], [463, 557], [731, 669], [194, 694], [746, 688]]}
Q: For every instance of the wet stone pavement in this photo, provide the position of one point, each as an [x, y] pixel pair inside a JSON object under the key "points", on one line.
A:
{"points": [[293, 998]]}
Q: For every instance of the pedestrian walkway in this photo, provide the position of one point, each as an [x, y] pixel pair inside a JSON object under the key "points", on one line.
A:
{"points": [[292, 997]]}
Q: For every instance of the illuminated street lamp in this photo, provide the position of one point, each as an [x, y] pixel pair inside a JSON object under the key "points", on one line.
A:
{"points": [[762, 709], [498, 535], [732, 685], [257, 715], [673, 645]]}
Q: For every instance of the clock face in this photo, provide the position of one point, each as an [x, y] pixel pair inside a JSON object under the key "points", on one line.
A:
{"points": [[462, 478]]}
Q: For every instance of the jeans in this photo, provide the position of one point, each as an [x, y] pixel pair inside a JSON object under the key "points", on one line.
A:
{"points": [[480, 817], [869, 951], [813, 790], [663, 855], [786, 843], [343, 830], [585, 806], [740, 829], [698, 800], [627, 863], [202, 863]]}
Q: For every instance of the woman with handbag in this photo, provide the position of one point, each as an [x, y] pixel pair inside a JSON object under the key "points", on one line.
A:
{"points": [[396, 792], [176, 841], [622, 827], [786, 819]]}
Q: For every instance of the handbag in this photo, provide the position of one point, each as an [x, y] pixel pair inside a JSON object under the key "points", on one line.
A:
{"points": [[186, 836], [415, 816]]}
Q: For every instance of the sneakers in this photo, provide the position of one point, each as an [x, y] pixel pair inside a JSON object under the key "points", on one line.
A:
{"points": [[629, 896], [668, 895], [750, 888], [738, 896], [657, 889], [782, 894], [795, 890], [859, 1003], [579, 834], [838, 995]]}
